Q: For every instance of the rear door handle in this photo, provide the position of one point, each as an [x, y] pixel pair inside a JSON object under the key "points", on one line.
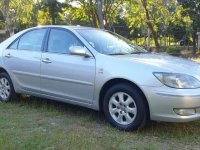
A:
{"points": [[8, 55], [46, 60]]}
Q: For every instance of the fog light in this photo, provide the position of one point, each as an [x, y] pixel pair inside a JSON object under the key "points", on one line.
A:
{"points": [[184, 112]]}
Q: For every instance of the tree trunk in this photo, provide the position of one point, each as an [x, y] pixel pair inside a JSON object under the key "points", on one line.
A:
{"points": [[89, 18], [100, 13], [155, 37], [149, 40], [194, 34], [94, 20], [92, 13], [193, 43], [9, 26], [8, 21], [150, 26], [53, 20]]}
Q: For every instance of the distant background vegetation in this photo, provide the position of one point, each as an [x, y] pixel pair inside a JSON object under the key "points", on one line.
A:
{"points": [[157, 24]]}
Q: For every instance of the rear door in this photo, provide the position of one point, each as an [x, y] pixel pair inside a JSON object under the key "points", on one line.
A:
{"points": [[63, 75], [23, 59]]}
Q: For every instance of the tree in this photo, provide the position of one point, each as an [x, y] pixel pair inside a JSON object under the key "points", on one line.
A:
{"points": [[111, 10], [4, 5], [121, 28], [191, 8], [154, 14], [89, 8], [150, 24], [17, 12], [51, 7], [88, 11]]}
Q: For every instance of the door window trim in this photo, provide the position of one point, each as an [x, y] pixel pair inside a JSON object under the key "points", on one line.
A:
{"points": [[66, 30], [9, 47], [18, 38]]}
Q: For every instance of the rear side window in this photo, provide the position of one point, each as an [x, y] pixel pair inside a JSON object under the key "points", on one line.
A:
{"points": [[61, 40], [32, 40]]}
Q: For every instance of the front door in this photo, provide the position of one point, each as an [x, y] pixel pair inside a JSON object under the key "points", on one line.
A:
{"points": [[64, 75]]}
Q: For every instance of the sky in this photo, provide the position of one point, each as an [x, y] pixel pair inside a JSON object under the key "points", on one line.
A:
{"points": [[61, 1], [74, 3]]}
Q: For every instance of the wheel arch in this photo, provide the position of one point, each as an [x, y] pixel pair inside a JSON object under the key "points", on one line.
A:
{"points": [[115, 81], [3, 70]]}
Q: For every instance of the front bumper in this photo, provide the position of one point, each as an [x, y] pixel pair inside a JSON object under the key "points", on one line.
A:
{"points": [[163, 100]]}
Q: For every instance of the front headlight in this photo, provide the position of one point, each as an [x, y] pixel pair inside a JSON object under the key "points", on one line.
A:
{"points": [[177, 80]]}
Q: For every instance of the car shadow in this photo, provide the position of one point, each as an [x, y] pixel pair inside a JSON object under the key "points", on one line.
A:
{"points": [[53, 105]]}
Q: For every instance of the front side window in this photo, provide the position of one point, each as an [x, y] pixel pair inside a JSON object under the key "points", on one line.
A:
{"points": [[60, 41], [32, 40]]}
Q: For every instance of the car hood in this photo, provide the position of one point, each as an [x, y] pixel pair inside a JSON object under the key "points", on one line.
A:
{"points": [[163, 62]]}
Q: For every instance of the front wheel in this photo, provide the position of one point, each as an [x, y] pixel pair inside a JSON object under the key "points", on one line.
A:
{"points": [[124, 107], [7, 91]]}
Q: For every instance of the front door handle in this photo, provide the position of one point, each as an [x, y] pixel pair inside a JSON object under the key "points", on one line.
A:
{"points": [[46, 60], [8, 55]]}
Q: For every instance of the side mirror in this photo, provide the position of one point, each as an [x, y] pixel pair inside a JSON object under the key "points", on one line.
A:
{"points": [[79, 50]]}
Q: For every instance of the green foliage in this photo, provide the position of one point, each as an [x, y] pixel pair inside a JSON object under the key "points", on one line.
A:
{"points": [[18, 13], [173, 50], [178, 21], [76, 16], [154, 14], [43, 17], [1, 16], [86, 12], [51, 8], [160, 13], [178, 31], [2, 25], [121, 27], [191, 9]]}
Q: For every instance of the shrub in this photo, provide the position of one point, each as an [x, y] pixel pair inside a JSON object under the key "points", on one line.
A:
{"points": [[173, 50]]}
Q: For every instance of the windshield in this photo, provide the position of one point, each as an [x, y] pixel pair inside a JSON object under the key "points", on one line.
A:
{"points": [[109, 43]]}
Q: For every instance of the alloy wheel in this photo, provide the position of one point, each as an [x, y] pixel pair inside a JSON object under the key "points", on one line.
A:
{"points": [[5, 89], [122, 108]]}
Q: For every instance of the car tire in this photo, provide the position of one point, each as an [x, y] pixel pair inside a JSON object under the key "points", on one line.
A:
{"points": [[124, 107], [7, 92]]}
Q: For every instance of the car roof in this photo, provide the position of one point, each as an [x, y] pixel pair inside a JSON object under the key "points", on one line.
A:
{"points": [[64, 26]]}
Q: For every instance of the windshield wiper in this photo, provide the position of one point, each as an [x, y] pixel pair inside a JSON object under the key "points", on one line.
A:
{"points": [[117, 54], [138, 52], [127, 53]]}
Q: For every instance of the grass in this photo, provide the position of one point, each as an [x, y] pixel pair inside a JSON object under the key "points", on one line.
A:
{"points": [[35, 124]]}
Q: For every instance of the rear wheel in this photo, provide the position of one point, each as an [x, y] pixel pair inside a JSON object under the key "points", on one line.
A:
{"points": [[124, 107], [7, 91]]}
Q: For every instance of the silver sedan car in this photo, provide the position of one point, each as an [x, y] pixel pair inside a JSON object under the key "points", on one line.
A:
{"points": [[100, 70]]}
